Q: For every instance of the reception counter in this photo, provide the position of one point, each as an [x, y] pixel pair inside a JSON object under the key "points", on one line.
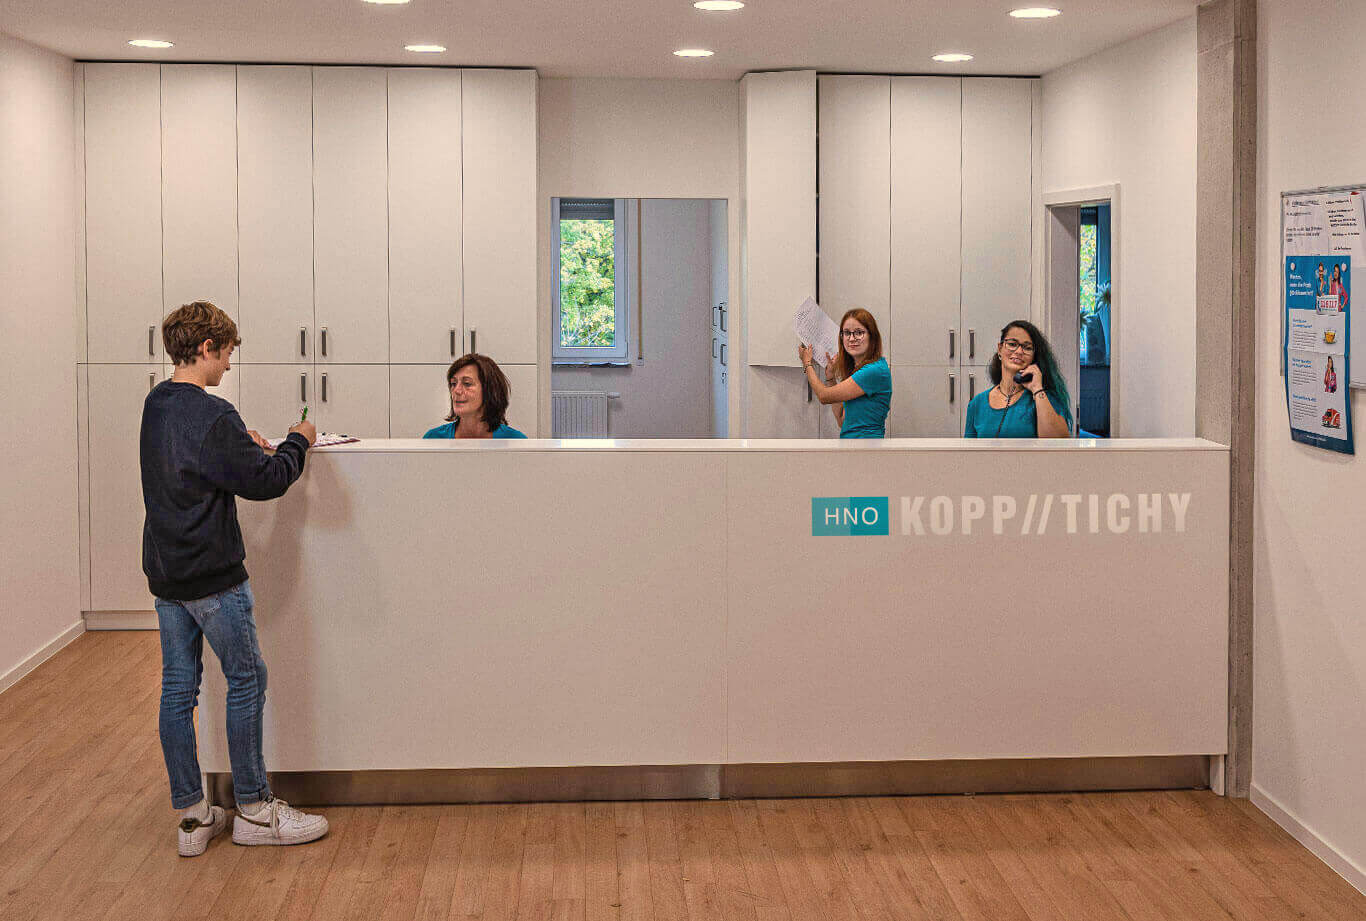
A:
{"points": [[571, 619]]}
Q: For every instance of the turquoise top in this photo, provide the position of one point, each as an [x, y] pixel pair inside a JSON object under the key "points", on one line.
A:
{"points": [[1019, 420], [448, 431], [866, 416]]}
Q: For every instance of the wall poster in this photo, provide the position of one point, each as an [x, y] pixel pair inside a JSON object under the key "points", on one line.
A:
{"points": [[1321, 245]]}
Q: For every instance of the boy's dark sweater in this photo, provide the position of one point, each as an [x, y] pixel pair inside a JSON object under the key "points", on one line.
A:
{"points": [[196, 457]]}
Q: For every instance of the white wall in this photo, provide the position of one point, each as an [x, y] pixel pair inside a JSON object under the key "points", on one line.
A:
{"points": [[1309, 712], [636, 139], [669, 393], [1127, 116], [39, 586]]}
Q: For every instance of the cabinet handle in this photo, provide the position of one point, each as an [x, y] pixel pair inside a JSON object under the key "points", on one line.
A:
{"points": [[714, 353], [324, 331], [972, 386], [474, 340], [452, 341], [723, 354], [953, 386], [324, 386], [303, 341], [972, 343], [151, 347], [808, 391], [151, 381], [953, 340], [303, 386], [723, 318]]}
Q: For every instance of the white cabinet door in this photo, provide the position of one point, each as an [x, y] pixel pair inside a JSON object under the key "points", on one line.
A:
{"points": [[976, 378], [418, 399], [116, 395], [525, 399], [199, 185], [780, 209], [927, 402], [350, 226], [778, 407], [997, 201], [270, 397], [499, 146], [855, 209], [275, 213], [425, 319], [123, 212], [926, 213], [353, 399]]}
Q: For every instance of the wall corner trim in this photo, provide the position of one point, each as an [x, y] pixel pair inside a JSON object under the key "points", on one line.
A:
{"points": [[1343, 865], [50, 649]]}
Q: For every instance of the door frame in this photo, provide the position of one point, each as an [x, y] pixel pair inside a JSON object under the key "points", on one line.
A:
{"points": [[1062, 213]]}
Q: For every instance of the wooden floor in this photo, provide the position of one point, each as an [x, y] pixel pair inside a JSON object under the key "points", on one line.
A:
{"points": [[86, 831]]}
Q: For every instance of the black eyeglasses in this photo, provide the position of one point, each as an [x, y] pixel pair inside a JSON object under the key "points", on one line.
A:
{"points": [[853, 333], [1015, 345]]}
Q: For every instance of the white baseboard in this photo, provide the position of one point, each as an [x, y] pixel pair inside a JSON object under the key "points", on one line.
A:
{"points": [[120, 620], [13, 676], [1343, 865]]}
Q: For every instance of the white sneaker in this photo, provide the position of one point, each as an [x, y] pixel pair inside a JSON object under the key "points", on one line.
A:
{"points": [[277, 823], [194, 836]]}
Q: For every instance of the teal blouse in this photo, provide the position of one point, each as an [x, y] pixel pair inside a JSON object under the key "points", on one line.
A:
{"points": [[866, 416], [448, 431], [1019, 420]]}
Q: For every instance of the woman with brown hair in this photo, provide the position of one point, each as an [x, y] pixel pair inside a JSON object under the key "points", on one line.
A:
{"points": [[479, 400], [857, 384]]}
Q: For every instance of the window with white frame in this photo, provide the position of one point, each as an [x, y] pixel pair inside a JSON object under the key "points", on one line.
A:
{"points": [[590, 279]]}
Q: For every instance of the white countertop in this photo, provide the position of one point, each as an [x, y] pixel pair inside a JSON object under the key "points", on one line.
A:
{"points": [[731, 445]]}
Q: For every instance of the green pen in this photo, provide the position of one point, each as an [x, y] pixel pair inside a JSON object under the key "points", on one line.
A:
{"points": [[304, 416]]}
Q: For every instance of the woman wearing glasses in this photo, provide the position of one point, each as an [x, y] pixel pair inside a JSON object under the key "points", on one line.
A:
{"points": [[858, 384], [1029, 399]]}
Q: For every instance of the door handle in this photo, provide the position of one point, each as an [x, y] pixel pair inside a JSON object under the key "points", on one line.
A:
{"points": [[324, 386], [303, 341], [972, 343], [151, 381], [303, 386], [953, 341], [953, 386], [452, 341], [972, 386], [324, 346], [151, 336], [474, 340]]}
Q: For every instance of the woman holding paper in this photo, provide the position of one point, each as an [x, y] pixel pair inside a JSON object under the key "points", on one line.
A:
{"points": [[479, 400], [1336, 287], [858, 384]]}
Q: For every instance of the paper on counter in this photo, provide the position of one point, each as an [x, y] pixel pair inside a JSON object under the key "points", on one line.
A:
{"points": [[815, 328]]}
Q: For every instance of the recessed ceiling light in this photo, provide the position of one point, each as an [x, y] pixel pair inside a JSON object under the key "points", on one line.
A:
{"points": [[952, 57], [425, 49], [719, 6], [1036, 12], [694, 53], [150, 43]]}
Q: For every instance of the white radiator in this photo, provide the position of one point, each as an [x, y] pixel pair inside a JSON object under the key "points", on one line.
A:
{"points": [[578, 414]]}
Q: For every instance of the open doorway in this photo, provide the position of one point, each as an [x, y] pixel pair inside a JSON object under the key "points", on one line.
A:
{"points": [[639, 319], [1081, 301]]}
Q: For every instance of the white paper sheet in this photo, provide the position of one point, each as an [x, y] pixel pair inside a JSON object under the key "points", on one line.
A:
{"points": [[814, 328]]}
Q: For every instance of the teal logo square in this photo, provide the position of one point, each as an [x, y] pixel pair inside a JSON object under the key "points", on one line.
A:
{"points": [[849, 516]]}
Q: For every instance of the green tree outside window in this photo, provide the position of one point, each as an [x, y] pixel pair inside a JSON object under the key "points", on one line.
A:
{"points": [[587, 284]]}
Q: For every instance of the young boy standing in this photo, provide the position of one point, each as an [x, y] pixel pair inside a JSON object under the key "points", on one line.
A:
{"points": [[197, 457]]}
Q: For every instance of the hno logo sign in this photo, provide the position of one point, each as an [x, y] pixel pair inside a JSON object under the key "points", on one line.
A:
{"points": [[849, 516]]}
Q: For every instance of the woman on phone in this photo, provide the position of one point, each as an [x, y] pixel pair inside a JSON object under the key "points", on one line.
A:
{"points": [[1028, 398], [858, 384]]}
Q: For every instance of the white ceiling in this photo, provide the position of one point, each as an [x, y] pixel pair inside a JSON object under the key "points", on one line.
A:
{"points": [[617, 38]]}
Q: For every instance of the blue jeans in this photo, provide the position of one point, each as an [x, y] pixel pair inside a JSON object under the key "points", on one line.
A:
{"points": [[225, 618]]}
